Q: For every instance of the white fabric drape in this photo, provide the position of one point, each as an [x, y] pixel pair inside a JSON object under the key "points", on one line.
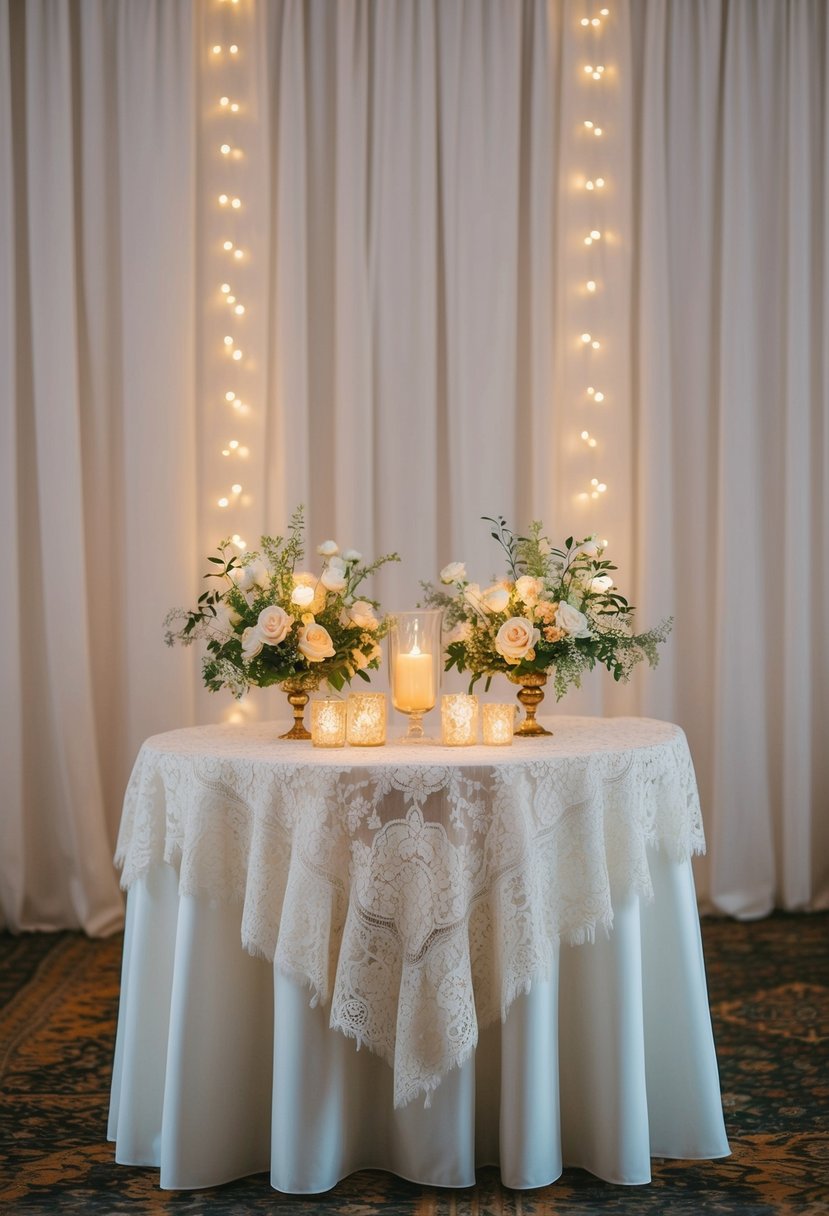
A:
{"points": [[413, 214]]}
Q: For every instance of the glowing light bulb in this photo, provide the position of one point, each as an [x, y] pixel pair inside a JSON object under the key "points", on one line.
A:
{"points": [[585, 338], [231, 299], [588, 67], [599, 183], [234, 107], [244, 453], [225, 288], [588, 185], [591, 391], [598, 396], [595, 344], [601, 487], [588, 124], [234, 50], [594, 481], [588, 240], [595, 21], [585, 21], [237, 253], [224, 101], [224, 149], [605, 12], [596, 235], [225, 451], [223, 200], [236, 203], [597, 130], [591, 284], [585, 434], [217, 50], [224, 502], [233, 445], [227, 245], [230, 396], [228, 340], [237, 355], [239, 310], [236, 488]]}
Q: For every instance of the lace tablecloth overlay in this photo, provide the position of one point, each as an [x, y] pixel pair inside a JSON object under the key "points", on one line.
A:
{"points": [[418, 890]]}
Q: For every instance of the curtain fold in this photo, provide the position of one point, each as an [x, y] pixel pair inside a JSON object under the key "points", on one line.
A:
{"points": [[414, 208]]}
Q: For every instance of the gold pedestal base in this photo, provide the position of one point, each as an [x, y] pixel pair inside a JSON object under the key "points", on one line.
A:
{"points": [[530, 696], [298, 698]]}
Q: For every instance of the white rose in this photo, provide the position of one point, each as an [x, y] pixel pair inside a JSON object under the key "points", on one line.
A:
{"points": [[572, 621], [602, 582], [251, 643], [328, 548], [274, 625], [359, 660], [302, 596], [455, 572], [528, 589], [332, 579], [460, 633], [315, 643], [589, 547], [258, 572], [225, 618], [496, 598], [351, 555], [242, 577], [515, 637], [361, 613]]}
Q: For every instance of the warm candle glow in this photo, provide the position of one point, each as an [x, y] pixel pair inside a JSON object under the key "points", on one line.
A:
{"points": [[414, 685], [366, 719], [499, 724], [459, 719], [328, 721]]}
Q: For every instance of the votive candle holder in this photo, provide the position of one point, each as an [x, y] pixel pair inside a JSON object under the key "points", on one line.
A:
{"points": [[499, 724], [459, 719], [366, 721], [328, 721]]}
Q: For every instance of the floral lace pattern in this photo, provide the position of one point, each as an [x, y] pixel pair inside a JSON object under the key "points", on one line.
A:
{"points": [[419, 891]]}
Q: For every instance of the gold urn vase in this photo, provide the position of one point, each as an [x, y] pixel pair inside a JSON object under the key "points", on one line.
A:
{"points": [[298, 690], [531, 695]]}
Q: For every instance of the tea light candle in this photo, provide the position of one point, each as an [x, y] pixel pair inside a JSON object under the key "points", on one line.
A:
{"points": [[366, 726], [459, 719], [414, 685], [328, 723], [499, 724]]}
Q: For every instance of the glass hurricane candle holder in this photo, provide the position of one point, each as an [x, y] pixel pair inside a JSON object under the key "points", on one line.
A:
{"points": [[415, 653], [459, 719], [366, 719], [328, 720], [499, 724]]}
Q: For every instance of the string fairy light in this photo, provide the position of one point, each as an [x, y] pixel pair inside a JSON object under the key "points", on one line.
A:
{"points": [[593, 182], [224, 147]]}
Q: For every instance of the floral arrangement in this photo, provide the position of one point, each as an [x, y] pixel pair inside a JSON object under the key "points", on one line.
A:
{"points": [[268, 622], [559, 608]]}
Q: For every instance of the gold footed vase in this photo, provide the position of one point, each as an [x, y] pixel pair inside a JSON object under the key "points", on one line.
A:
{"points": [[298, 691], [530, 696]]}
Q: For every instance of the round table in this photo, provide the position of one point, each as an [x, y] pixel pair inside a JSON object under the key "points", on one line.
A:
{"points": [[511, 932]]}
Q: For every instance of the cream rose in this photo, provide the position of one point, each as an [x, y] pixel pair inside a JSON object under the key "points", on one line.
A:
{"points": [[455, 572], [528, 589], [572, 621], [274, 625], [302, 596], [361, 613], [328, 548], [496, 598], [516, 638], [351, 555], [589, 548], [332, 579], [315, 643], [254, 574], [359, 660], [251, 643]]}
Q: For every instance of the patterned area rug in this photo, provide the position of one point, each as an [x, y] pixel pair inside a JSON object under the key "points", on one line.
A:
{"points": [[769, 987]]}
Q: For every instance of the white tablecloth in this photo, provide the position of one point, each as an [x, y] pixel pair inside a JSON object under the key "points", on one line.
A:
{"points": [[414, 896]]}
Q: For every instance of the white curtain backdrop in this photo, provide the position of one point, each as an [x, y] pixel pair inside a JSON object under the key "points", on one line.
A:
{"points": [[411, 225]]}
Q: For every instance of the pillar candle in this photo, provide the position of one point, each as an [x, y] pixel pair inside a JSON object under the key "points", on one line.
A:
{"points": [[414, 682]]}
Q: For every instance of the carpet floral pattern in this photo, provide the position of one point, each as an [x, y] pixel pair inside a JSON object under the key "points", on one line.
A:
{"points": [[769, 988]]}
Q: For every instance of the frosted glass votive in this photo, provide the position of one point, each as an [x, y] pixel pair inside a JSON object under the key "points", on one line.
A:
{"points": [[328, 723], [499, 724], [459, 719], [366, 725]]}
